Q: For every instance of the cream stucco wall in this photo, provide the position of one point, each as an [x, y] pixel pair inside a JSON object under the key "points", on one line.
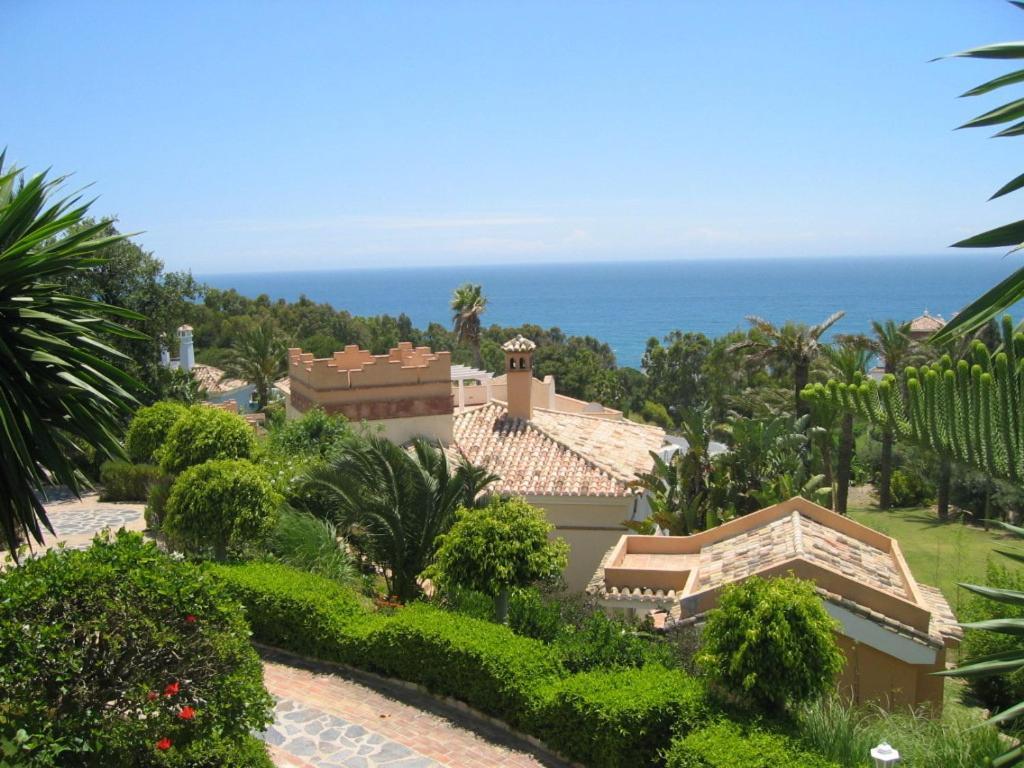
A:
{"points": [[590, 526]]}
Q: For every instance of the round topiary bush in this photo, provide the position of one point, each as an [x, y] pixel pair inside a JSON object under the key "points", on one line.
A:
{"points": [[120, 655], [221, 504], [149, 428], [205, 433], [770, 643]]}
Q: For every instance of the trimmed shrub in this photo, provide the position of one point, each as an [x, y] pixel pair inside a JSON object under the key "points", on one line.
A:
{"points": [[149, 428], [122, 481], [314, 434], [203, 434], [484, 664], [107, 651], [770, 643], [221, 504], [726, 744], [600, 643], [620, 719]]}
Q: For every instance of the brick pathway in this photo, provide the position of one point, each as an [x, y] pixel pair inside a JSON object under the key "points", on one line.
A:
{"points": [[326, 720]]}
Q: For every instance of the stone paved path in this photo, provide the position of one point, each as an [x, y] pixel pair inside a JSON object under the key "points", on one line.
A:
{"points": [[77, 521], [330, 721]]}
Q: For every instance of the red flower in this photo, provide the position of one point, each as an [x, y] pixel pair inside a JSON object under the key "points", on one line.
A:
{"points": [[164, 744], [187, 713], [152, 696], [190, 619], [171, 689]]}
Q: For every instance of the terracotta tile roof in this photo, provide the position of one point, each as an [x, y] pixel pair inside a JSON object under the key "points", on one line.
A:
{"points": [[519, 344], [555, 454], [943, 622], [212, 379], [284, 384], [737, 557], [927, 324]]}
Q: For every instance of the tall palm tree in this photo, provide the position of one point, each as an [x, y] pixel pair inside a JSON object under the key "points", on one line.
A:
{"points": [[892, 343], [259, 357], [849, 361], [793, 345], [468, 304], [393, 503], [60, 381]]}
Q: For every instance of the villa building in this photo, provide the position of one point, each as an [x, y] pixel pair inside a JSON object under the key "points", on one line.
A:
{"points": [[573, 459], [925, 326], [893, 631]]}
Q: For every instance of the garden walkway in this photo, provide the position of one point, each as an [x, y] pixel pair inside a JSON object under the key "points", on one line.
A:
{"points": [[76, 521], [326, 719]]}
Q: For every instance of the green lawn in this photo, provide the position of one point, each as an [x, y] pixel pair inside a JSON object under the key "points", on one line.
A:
{"points": [[940, 554]]}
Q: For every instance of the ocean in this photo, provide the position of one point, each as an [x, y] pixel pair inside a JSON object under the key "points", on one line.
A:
{"points": [[625, 303]]}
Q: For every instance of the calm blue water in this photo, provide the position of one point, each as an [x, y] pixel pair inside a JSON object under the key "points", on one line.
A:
{"points": [[626, 303]]}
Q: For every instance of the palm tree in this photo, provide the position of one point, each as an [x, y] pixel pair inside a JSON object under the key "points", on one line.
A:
{"points": [[892, 343], [61, 383], [793, 345], [260, 358], [468, 304], [392, 504], [849, 361]]}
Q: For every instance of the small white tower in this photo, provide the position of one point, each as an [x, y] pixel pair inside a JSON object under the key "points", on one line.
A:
{"points": [[186, 354]]}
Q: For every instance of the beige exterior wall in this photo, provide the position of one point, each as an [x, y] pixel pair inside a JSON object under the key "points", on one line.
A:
{"points": [[590, 526], [873, 676]]}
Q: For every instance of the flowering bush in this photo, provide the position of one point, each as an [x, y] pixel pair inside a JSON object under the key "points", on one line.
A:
{"points": [[206, 433], [220, 504], [149, 429], [122, 656]]}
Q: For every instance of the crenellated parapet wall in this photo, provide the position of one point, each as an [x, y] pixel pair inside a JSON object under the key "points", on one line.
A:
{"points": [[407, 382]]}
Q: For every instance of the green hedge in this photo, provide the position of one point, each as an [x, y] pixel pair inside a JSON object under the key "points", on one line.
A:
{"points": [[605, 718], [726, 744], [621, 718], [122, 481]]}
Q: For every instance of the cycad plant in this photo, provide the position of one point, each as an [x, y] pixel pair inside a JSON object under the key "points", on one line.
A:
{"points": [[60, 382], [392, 504], [259, 356]]}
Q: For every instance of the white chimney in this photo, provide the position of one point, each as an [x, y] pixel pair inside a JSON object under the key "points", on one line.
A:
{"points": [[186, 354]]}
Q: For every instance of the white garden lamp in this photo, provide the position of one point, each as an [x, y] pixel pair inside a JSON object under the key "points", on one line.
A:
{"points": [[885, 756]]}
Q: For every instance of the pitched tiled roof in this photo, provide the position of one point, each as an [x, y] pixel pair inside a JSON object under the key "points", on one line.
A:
{"points": [[943, 622], [926, 324], [519, 344], [792, 536], [556, 454], [212, 379]]}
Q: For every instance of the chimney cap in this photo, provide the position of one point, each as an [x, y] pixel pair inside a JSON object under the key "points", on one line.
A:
{"points": [[519, 344], [184, 328]]}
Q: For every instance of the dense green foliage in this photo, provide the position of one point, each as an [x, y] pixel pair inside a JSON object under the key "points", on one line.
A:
{"points": [[623, 718], [908, 489], [91, 640], [494, 548], [122, 481], [205, 433], [303, 541], [149, 428], [313, 434], [63, 389], [725, 744], [391, 504], [770, 643], [220, 505], [997, 692], [605, 718]]}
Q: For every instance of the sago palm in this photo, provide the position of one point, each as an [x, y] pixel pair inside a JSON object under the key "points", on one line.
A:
{"points": [[468, 304], [392, 504], [892, 343], [259, 356], [61, 384], [791, 346]]}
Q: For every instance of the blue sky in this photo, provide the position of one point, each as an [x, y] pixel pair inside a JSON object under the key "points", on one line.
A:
{"points": [[313, 135]]}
